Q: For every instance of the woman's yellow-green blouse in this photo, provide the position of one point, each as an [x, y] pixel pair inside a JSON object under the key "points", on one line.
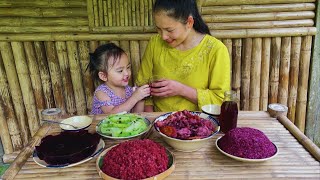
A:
{"points": [[205, 67]]}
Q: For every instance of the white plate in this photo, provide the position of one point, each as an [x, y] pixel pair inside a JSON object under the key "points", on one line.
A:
{"points": [[246, 159], [42, 163]]}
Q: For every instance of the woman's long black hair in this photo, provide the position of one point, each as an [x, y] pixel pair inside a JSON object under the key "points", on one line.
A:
{"points": [[181, 10]]}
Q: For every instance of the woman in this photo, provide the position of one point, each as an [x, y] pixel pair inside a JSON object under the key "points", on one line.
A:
{"points": [[194, 66]]}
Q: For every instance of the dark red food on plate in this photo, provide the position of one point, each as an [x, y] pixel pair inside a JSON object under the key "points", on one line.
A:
{"points": [[135, 159], [67, 147], [247, 143], [185, 125]]}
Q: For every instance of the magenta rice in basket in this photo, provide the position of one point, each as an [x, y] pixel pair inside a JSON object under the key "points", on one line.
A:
{"points": [[247, 143], [135, 159]]}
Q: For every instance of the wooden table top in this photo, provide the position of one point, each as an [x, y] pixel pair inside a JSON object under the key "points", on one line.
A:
{"points": [[298, 158]]}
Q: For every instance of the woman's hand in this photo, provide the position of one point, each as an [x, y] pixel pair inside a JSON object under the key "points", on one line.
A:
{"points": [[141, 92], [166, 88]]}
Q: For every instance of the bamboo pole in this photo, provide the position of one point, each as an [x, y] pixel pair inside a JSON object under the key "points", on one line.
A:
{"points": [[303, 82], [150, 13], [115, 42], [51, 29], [55, 4], [253, 8], [44, 73], [132, 29], [274, 70], [10, 133], [255, 74], [87, 79], [272, 16], [236, 66], [18, 110], [42, 12], [284, 70], [54, 69], [313, 113], [92, 47], [133, 8], [146, 12], [36, 21], [129, 12], [265, 65], [100, 12], [293, 77], [66, 77], [118, 13], [121, 12], [105, 13], [110, 17], [138, 13], [304, 140], [245, 74], [95, 12], [90, 10], [113, 7], [235, 2], [228, 43], [126, 16], [135, 58], [142, 12], [261, 24], [77, 82], [241, 33], [26, 87], [35, 76]]}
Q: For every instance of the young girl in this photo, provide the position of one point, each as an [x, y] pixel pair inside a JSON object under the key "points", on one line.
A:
{"points": [[110, 64]]}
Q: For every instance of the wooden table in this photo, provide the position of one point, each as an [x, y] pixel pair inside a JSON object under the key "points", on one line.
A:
{"points": [[293, 161]]}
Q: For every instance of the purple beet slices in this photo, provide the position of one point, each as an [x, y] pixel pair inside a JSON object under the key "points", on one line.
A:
{"points": [[247, 143]]}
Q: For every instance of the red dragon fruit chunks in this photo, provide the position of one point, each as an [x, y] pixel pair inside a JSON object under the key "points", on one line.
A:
{"points": [[247, 143]]}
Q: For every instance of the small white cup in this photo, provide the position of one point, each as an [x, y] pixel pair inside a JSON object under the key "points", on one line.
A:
{"points": [[211, 109]]}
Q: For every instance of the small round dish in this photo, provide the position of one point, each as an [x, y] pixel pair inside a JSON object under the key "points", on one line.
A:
{"points": [[163, 175], [141, 134], [82, 122], [211, 109], [191, 144], [245, 159]]}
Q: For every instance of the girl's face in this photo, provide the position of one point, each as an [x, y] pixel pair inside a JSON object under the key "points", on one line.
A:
{"points": [[119, 73], [172, 31]]}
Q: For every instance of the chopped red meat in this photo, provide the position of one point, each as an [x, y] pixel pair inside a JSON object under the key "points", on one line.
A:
{"points": [[187, 125]]}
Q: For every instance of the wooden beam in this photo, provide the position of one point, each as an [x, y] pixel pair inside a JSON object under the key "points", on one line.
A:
{"points": [[313, 106]]}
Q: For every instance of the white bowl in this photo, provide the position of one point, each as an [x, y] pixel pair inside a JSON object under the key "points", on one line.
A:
{"points": [[211, 109], [79, 121], [188, 145]]}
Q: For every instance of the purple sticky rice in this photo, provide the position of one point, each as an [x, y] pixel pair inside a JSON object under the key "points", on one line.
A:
{"points": [[247, 143]]}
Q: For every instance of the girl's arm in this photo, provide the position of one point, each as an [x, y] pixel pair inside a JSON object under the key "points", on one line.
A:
{"points": [[138, 95], [139, 107]]}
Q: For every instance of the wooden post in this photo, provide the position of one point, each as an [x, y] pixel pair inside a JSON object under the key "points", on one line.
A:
{"points": [[284, 70], [274, 69], [245, 74], [265, 65], [236, 66], [313, 113]]}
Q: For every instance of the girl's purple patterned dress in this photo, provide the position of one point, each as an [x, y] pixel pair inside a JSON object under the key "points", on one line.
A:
{"points": [[115, 100]]}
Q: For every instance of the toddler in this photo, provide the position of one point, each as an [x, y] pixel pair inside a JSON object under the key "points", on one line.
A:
{"points": [[110, 64]]}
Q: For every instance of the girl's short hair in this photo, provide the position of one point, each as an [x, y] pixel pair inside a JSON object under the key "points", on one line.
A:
{"points": [[103, 56], [181, 10]]}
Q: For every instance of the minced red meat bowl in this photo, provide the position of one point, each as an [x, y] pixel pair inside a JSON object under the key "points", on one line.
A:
{"points": [[135, 159], [247, 143]]}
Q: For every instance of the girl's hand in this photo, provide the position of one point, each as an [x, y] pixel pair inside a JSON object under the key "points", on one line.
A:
{"points": [[166, 88], [141, 92]]}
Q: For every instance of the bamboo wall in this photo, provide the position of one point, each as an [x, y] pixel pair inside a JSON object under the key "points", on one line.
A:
{"points": [[44, 50]]}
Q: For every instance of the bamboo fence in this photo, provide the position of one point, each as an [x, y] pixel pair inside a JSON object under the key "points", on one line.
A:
{"points": [[44, 54]]}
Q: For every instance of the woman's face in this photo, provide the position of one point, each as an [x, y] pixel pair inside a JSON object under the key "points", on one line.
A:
{"points": [[172, 31]]}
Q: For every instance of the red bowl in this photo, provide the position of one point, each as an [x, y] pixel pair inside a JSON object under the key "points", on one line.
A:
{"points": [[67, 147]]}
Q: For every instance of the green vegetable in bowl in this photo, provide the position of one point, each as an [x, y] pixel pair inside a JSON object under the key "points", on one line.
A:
{"points": [[123, 125]]}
